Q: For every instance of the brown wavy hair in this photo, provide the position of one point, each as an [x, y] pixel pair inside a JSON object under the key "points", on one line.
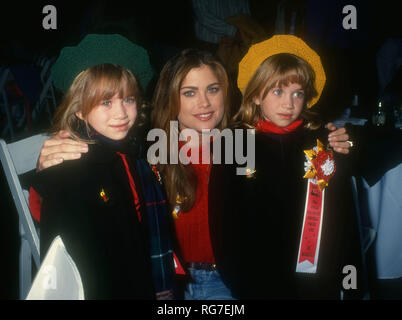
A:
{"points": [[277, 70], [180, 180], [89, 88]]}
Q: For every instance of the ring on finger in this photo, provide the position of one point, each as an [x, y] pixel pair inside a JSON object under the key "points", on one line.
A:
{"points": [[351, 144]]}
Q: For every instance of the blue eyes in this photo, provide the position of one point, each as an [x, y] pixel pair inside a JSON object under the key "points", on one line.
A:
{"points": [[297, 94], [214, 89], [108, 103], [188, 93], [191, 93], [129, 100]]}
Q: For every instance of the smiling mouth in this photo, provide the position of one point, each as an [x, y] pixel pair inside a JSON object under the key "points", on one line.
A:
{"points": [[121, 127], [285, 116], [204, 116]]}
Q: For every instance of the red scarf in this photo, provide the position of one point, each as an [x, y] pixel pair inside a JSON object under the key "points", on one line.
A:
{"points": [[269, 126]]}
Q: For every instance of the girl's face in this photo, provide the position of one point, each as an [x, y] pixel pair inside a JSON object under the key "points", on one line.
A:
{"points": [[201, 100], [113, 118], [282, 105]]}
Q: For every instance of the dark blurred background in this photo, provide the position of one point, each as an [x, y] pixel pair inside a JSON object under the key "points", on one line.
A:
{"points": [[166, 27]]}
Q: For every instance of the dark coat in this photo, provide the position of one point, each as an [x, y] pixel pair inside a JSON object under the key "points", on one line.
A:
{"points": [[256, 222], [103, 235]]}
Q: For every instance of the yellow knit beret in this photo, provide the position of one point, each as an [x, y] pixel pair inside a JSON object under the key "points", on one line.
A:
{"points": [[259, 52]]}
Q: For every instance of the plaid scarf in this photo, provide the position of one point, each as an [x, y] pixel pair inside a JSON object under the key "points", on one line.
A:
{"points": [[156, 210], [158, 224]]}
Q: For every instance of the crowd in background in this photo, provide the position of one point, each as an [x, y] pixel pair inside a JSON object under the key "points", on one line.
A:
{"points": [[227, 28]]}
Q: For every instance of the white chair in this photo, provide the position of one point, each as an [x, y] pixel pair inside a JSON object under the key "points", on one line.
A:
{"points": [[58, 277], [382, 208], [17, 158], [367, 234], [47, 95]]}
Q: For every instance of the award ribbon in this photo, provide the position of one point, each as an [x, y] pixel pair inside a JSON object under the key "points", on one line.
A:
{"points": [[319, 168], [309, 247]]}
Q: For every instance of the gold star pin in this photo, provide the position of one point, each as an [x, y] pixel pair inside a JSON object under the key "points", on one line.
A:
{"points": [[250, 173], [104, 196]]}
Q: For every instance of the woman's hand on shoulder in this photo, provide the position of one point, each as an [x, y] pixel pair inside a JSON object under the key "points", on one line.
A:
{"points": [[338, 138], [59, 148]]}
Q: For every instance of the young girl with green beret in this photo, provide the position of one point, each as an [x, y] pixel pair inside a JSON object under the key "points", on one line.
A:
{"points": [[108, 206]]}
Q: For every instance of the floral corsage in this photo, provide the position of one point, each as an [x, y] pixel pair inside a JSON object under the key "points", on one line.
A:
{"points": [[319, 165]]}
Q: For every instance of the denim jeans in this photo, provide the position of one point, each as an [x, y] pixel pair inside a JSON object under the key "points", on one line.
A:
{"points": [[206, 285]]}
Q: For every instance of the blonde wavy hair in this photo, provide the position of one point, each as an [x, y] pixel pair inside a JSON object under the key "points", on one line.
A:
{"points": [[89, 88], [276, 71], [180, 180]]}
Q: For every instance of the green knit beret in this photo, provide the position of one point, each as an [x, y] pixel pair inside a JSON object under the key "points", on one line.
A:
{"points": [[97, 49]]}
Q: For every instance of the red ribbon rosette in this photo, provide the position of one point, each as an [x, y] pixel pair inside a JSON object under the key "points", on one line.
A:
{"points": [[320, 165]]}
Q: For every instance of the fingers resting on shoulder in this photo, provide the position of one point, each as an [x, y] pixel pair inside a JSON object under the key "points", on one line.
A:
{"points": [[59, 148]]}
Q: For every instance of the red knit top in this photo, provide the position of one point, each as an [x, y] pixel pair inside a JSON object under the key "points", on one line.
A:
{"points": [[192, 227]]}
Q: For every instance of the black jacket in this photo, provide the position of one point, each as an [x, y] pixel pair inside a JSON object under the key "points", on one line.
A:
{"points": [[101, 232], [256, 222]]}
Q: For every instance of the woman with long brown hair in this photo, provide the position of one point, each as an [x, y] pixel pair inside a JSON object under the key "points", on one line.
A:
{"points": [[192, 93]]}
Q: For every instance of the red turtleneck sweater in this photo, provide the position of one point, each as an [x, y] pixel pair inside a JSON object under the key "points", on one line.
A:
{"points": [[192, 227]]}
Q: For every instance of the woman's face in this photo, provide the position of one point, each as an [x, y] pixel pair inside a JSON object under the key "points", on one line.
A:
{"points": [[201, 100], [282, 105], [113, 118]]}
